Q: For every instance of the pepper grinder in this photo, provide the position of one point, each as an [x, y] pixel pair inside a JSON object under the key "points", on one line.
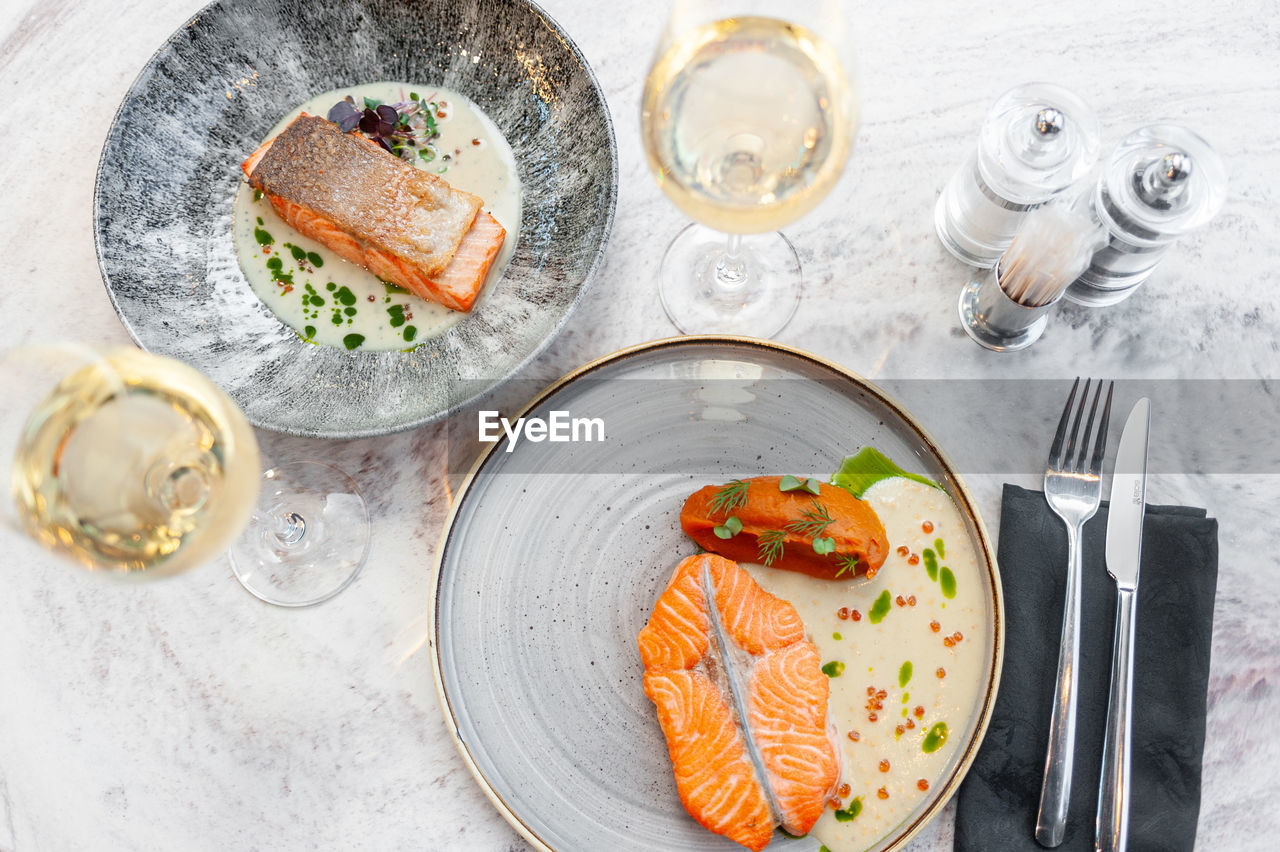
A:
{"points": [[1036, 140], [1162, 182]]}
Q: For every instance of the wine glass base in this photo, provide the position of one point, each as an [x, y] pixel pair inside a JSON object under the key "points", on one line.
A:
{"points": [[699, 300], [308, 538]]}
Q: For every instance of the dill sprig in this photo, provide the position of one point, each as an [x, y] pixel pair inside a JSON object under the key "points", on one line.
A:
{"points": [[769, 546], [730, 497], [815, 521], [848, 562]]}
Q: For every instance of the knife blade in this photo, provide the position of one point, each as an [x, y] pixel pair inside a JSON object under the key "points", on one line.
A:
{"points": [[1124, 552], [1129, 498]]}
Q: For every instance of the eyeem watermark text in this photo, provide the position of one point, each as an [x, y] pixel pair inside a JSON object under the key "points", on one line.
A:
{"points": [[559, 427]]}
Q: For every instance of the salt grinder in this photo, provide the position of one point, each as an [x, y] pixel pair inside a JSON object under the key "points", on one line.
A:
{"points": [[1036, 141], [1162, 182]]}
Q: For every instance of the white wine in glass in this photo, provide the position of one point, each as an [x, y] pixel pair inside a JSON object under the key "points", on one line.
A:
{"points": [[137, 465], [130, 463], [748, 117]]}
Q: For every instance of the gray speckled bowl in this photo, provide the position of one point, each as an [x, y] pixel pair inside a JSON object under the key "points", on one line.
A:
{"points": [[170, 168]]}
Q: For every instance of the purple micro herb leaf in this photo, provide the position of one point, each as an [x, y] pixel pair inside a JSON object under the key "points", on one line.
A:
{"points": [[344, 115]]}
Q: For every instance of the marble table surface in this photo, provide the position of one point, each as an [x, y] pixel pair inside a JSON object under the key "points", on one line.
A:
{"points": [[185, 714]]}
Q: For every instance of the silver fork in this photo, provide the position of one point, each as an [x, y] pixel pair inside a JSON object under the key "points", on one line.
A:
{"points": [[1073, 489]]}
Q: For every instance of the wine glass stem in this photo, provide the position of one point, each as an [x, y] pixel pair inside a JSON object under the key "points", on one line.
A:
{"points": [[290, 527], [731, 269]]}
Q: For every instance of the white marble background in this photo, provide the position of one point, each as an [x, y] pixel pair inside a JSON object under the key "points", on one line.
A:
{"points": [[187, 715]]}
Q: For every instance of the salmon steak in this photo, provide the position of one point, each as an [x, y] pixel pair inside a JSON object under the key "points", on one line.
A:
{"points": [[742, 702], [373, 209]]}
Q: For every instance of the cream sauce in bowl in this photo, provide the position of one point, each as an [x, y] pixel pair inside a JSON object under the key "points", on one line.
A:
{"points": [[907, 653], [331, 302]]}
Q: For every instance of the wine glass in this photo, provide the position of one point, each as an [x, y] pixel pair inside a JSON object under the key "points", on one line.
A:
{"points": [[138, 466], [749, 112]]}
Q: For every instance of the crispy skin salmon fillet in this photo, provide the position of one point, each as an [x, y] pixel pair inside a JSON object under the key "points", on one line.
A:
{"points": [[375, 210], [742, 702]]}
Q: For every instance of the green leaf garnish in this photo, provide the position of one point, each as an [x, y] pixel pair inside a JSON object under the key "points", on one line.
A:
{"points": [[731, 527], [413, 96], [868, 466], [824, 545], [769, 546], [814, 523], [730, 497], [795, 483], [372, 103]]}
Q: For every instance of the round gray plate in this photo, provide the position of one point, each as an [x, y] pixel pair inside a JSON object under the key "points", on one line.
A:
{"points": [[171, 165], [555, 554]]}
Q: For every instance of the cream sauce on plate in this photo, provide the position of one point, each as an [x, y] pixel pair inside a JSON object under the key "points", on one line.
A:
{"points": [[336, 303], [870, 654]]}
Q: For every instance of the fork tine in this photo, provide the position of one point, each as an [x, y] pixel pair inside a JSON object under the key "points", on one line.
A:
{"points": [[1069, 457], [1055, 452], [1100, 448], [1079, 466]]}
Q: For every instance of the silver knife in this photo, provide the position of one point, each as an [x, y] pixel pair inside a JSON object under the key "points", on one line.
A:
{"points": [[1124, 551]]}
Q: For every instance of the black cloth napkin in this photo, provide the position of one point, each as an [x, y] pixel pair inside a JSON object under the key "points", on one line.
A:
{"points": [[996, 808]]}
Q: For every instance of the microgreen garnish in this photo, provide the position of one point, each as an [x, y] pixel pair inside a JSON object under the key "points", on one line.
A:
{"points": [[769, 546], [848, 562], [731, 527], [824, 545], [406, 129], [815, 523], [795, 483], [730, 497]]}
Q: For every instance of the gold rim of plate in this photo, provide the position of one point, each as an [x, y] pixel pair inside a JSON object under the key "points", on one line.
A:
{"points": [[965, 503]]}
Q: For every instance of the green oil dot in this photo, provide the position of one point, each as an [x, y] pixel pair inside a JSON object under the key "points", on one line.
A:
{"points": [[880, 608], [351, 341], [935, 739], [298, 254], [275, 264], [940, 547], [263, 237], [904, 674], [345, 296], [835, 668], [331, 286], [316, 260], [317, 301], [836, 636], [349, 311], [906, 696], [259, 220], [851, 812], [396, 312], [948, 583], [931, 563], [310, 331], [410, 332]]}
